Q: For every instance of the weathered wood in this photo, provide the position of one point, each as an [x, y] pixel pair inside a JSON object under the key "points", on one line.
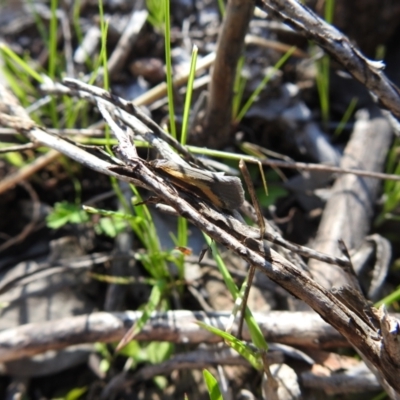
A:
{"points": [[304, 329], [349, 210]]}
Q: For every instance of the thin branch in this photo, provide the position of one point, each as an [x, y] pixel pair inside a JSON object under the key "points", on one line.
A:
{"points": [[28, 170], [18, 148], [366, 71], [329, 168]]}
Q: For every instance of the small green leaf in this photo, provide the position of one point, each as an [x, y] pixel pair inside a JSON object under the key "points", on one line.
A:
{"points": [[161, 382], [158, 352], [102, 349], [212, 386], [110, 226], [64, 213], [104, 365], [156, 15], [132, 349], [76, 393], [14, 158]]}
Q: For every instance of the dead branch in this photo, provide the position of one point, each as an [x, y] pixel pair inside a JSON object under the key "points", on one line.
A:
{"points": [[368, 72], [348, 212], [305, 329]]}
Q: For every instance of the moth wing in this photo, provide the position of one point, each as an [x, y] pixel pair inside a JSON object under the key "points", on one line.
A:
{"points": [[229, 190]]}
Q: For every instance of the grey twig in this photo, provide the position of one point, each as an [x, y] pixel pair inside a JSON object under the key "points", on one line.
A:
{"points": [[366, 71], [305, 329]]}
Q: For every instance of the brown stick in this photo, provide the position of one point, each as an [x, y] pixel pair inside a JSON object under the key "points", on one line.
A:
{"points": [[217, 127]]}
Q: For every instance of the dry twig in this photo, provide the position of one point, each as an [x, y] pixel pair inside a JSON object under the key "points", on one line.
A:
{"points": [[305, 329], [368, 72]]}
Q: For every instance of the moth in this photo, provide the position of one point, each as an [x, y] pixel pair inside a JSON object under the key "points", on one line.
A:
{"points": [[223, 191]]}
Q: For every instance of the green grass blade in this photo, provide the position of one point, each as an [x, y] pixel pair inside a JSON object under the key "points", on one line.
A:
{"points": [[19, 61], [323, 69], [154, 300], [221, 7], [381, 396], [227, 277], [255, 331], [16, 85], [103, 50], [53, 58], [121, 280], [252, 356], [108, 213], [212, 386], [346, 116], [167, 35], [392, 166], [262, 84], [182, 240], [189, 92], [388, 300], [322, 80], [238, 87], [329, 11]]}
